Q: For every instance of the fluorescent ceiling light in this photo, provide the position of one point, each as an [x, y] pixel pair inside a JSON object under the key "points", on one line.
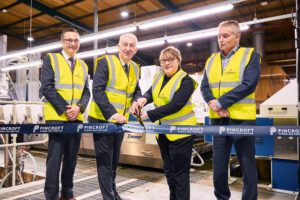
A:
{"points": [[113, 49], [108, 33], [84, 39], [186, 15], [198, 34], [92, 53], [151, 43], [36, 63], [147, 43]]}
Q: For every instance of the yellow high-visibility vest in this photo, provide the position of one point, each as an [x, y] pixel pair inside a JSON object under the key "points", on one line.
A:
{"points": [[119, 88], [69, 85], [186, 115], [221, 83]]}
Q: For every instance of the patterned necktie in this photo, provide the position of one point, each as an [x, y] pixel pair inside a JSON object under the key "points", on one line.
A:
{"points": [[126, 69], [72, 61]]}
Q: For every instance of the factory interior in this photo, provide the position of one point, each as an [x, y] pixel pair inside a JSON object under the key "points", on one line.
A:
{"points": [[29, 29]]}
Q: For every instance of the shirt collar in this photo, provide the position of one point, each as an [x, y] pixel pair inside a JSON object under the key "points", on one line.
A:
{"points": [[122, 62], [231, 52], [66, 56]]}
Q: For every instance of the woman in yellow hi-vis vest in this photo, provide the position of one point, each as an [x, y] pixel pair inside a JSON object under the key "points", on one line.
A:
{"points": [[171, 93]]}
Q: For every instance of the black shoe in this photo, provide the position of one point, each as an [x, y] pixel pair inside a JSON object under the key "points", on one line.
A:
{"points": [[117, 197]]}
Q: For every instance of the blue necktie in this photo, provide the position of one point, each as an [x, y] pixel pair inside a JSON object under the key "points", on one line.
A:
{"points": [[72, 61]]}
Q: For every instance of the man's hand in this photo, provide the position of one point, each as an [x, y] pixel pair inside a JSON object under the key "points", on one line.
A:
{"points": [[72, 112], [121, 119], [213, 105], [223, 113]]}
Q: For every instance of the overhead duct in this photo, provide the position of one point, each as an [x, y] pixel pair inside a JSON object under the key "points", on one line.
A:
{"points": [[259, 40]]}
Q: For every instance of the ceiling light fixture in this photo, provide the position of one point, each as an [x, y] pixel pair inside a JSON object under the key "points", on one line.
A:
{"points": [[37, 63], [198, 34], [84, 39], [30, 39], [186, 36], [124, 14], [4, 10], [186, 15], [151, 43], [189, 44]]}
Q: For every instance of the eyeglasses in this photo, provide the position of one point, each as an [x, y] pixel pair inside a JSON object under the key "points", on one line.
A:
{"points": [[169, 60], [70, 41]]}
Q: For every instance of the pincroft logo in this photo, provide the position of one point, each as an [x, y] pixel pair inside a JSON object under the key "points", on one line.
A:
{"points": [[272, 130], [172, 128], [35, 128], [79, 127], [221, 130]]}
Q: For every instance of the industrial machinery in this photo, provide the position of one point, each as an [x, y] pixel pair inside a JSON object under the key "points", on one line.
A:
{"points": [[282, 109], [15, 148]]}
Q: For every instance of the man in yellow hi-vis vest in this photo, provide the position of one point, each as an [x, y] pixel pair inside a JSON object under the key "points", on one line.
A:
{"points": [[65, 86], [228, 87], [115, 85]]}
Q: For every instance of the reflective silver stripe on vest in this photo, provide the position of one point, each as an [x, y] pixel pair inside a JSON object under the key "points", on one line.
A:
{"points": [[77, 86], [246, 101], [136, 70], [75, 101], [118, 105], [58, 85], [155, 82], [224, 84], [210, 64], [85, 73], [130, 95], [112, 68], [114, 90], [178, 119], [243, 63], [175, 84], [57, 72]]}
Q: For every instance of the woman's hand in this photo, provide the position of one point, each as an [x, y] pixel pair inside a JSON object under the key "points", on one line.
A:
{"points": [[137, 105], [144, 116], [141, 102]]}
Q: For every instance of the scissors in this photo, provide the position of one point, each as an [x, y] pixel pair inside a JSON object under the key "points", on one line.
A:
{"points": [[139, 118]]}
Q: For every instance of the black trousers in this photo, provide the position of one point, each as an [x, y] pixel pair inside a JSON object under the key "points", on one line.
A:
{"points": [[107, 150], [245, 151], [61, 147], [176, 156]]}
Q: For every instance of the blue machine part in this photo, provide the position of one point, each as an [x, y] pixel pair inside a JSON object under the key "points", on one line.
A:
{"points": [[284, 174]]}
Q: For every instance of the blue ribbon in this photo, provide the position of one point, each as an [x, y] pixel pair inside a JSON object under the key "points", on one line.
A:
{"points": [[107, 128]]}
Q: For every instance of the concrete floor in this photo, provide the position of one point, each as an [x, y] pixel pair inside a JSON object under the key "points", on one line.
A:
{"points": [[133, 183]]}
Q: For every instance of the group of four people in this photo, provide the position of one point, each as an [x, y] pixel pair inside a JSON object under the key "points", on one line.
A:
{"points": [[228, 86]]}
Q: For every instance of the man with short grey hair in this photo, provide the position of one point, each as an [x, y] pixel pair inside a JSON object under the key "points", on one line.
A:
{"points": [[228, 86], [115, 86]]}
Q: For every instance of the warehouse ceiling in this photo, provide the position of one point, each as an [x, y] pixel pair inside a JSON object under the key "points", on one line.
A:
{"points": [[49, 18]]}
